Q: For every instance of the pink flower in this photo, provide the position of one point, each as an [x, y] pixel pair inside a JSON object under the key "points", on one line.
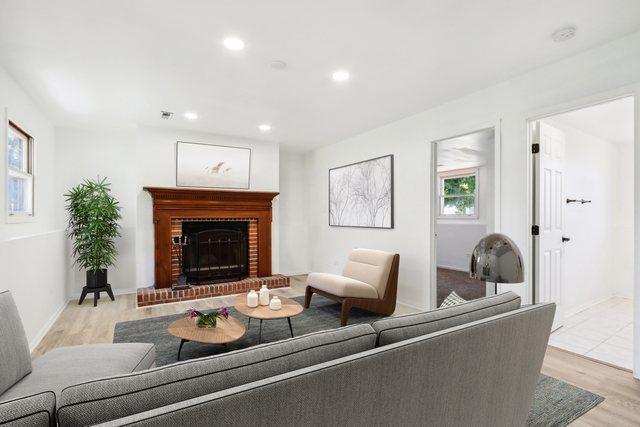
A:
{"points": [[224, 312], [192, 313]]}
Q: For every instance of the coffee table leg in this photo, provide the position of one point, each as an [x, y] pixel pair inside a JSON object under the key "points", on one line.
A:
{"points": [[290, 327], [249, 324], [260, 334], [180, 348]]}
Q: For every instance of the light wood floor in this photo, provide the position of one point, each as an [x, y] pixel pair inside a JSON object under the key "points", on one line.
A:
{"points": [[84, 324]]}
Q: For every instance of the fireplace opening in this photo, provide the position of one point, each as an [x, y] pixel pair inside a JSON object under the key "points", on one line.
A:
{"points": [[215, 251]]}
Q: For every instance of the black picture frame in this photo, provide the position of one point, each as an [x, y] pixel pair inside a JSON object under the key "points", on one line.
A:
{"points": [[392, 201]]}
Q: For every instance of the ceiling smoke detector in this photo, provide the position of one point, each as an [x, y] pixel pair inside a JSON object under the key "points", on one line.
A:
{"points": [[166, 114], [277, 65], [563, 34]]}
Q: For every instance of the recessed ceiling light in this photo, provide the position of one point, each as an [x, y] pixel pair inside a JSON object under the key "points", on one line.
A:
{"points": [[233, 43], [264, 127], [340, 75], [190, 115], [563, 34]]}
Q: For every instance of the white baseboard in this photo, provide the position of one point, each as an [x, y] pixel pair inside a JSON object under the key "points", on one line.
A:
{"points": [[75, 296], [43, 331], [586, 306], [448, 267], [415, 307], [294, 274], [623, 295]]}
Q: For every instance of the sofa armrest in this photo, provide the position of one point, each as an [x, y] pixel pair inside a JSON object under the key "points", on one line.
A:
{"points": [[34, 410]]}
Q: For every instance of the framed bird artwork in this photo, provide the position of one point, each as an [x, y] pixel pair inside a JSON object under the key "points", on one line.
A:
{"points": [[212, 166]]}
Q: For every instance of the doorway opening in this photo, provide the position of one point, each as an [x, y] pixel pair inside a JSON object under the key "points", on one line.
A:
{"points": [[463, 209], [583, 191]]}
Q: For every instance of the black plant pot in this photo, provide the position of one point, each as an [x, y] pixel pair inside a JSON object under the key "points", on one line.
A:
{"points": [[97, 278]]}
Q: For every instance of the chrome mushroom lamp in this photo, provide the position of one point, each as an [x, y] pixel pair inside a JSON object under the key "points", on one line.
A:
{"points": [[497, 259]]}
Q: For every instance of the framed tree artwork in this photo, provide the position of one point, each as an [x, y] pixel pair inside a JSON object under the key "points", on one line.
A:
{"points": [[361, 194], [212, 166]]}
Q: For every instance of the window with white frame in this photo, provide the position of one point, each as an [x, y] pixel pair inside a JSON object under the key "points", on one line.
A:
{"points": [[19, 172], [458, 194]]}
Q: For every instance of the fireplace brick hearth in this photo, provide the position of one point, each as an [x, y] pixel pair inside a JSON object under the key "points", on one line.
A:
{"points": [[151, 296]]}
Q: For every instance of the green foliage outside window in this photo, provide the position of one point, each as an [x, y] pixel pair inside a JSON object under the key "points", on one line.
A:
{"points": [[459, 195]]}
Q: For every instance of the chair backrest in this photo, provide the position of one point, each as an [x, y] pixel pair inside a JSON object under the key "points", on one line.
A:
{"points": [[15, 358], [369, 266]]}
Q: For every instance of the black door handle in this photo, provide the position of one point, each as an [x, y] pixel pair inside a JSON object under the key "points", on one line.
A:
{"points": [[565, 239]]}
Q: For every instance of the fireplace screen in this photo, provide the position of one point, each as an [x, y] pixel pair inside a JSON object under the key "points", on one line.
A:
{"points": [[215, 251]]}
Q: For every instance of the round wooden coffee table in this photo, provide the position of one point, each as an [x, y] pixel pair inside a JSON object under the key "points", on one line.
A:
{"points": [[226, 331], [289, 309]]}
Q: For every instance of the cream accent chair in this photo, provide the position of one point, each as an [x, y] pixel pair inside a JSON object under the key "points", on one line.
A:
{"points": [[369, 281]]}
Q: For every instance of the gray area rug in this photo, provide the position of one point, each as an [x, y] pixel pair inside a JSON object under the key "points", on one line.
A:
{"points": [[322, 315], [555, 402]]}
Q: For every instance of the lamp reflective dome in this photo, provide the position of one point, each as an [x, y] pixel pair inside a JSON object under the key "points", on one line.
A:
{"points": [[496, 258]]}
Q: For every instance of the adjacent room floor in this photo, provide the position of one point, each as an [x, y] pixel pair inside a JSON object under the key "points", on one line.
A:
{"points": [[460, 282], [602, 332]]}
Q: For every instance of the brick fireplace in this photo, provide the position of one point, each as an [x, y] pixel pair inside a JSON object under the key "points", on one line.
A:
{"points": [[177, 232], [192, 217]]}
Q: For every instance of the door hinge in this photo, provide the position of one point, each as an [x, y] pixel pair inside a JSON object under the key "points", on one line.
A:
{"points": [[535, 148], [535, 230]]}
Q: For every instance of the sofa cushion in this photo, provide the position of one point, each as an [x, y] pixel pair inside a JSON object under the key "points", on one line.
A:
{"points": [[65, 366], [341, 286], [33, 411], [370, 266], [400, 328], [15, 358], [111, 398]]}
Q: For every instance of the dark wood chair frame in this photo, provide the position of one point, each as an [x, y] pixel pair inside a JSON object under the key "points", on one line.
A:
{"points": [[386, 305]]}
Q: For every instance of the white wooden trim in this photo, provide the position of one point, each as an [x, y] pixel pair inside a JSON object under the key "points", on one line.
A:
{"points": [[576, 104], [19, 217], [45, 329], [76, 295], [496, 124], [459, 173]]}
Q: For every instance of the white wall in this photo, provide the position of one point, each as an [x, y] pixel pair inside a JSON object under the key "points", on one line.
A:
{"points": [[138, 157], [294, 225], [595, 248], [572, 82], [156, 152], [82, 154], [455, 242], [456, 238], [31, 253], [624, 222]]}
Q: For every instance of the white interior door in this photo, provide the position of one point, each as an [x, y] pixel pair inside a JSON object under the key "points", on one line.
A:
{"points": [[549, 215]]}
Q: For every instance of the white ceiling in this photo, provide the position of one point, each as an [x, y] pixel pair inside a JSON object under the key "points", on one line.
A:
{"points": [[96, 63], [612, 121], [467, 151]]}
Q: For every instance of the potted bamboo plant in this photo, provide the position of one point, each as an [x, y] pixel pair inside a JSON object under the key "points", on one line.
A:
{"points": [[93, 226]]}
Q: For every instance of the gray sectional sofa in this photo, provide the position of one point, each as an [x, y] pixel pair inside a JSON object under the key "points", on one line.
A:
{"points": [[476, 363]]}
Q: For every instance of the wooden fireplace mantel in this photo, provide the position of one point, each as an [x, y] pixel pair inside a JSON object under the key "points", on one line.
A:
{"points": [[169, 203]]}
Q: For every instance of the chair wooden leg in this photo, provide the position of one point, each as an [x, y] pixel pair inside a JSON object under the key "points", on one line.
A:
{"points": [[308, 293], [346, 308]]}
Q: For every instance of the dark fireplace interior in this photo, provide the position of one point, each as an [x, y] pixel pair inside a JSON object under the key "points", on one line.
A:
{"points": [[216, 251]]}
